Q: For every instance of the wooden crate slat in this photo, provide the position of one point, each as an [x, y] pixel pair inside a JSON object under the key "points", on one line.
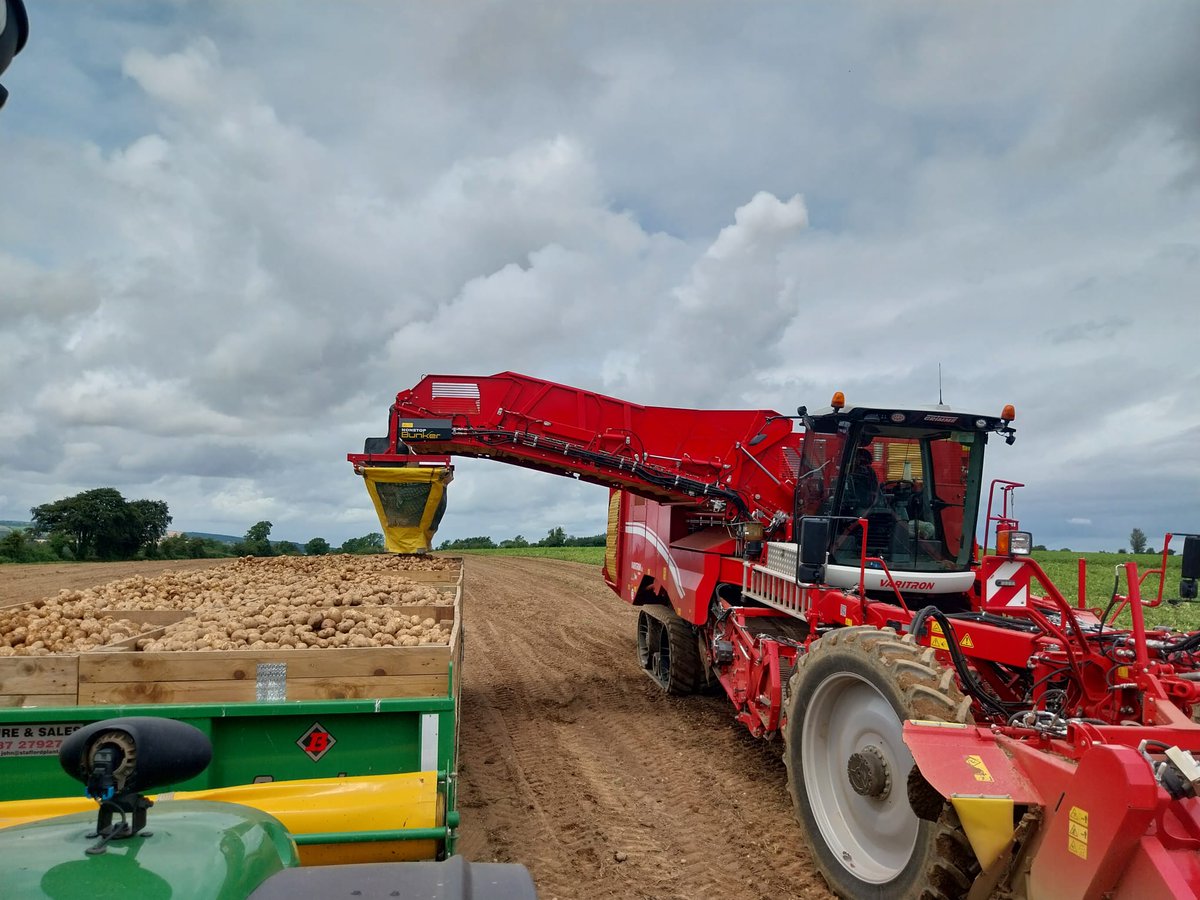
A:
{"points": [[444, 578], [242, 665], [121, 674], [39, 674], [9, 701], [226, 691], [151, 617]]}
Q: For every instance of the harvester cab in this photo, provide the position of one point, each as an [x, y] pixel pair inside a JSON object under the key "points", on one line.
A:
{"points": [[900, 489]]}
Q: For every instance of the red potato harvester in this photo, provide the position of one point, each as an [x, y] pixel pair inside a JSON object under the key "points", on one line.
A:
{"points": [[953, 724]]}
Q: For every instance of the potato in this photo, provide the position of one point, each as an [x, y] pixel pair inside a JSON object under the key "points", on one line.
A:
{"points": [[294, 602]]}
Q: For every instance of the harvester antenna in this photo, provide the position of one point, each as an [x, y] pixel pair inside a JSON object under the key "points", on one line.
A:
{"points": [[940, 403]]}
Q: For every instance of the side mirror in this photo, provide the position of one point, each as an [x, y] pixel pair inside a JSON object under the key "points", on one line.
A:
{"points": [[812, 550], [1190, 568]]}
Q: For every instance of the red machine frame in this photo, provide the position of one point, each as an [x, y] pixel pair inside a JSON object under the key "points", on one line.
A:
{"points": [[704, 507]]}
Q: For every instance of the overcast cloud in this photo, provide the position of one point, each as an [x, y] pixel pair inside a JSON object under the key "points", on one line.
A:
{"points": [[230, 232]]}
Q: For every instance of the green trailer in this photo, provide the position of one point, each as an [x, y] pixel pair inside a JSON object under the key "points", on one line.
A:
{"points": [[255, 743], [328, 772], [271, 715]]}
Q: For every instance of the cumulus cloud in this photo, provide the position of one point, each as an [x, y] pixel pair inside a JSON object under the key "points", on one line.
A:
{"points": [[212, 285]]}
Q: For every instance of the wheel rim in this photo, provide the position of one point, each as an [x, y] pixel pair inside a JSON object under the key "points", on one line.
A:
{"points": [[871, 836]]}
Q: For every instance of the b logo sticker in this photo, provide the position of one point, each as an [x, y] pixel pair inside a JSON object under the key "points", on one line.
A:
{"points": [[316, 741]]}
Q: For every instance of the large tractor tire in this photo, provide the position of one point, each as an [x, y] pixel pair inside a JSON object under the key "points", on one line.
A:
{"points": [[848, 766], [668, 650]]}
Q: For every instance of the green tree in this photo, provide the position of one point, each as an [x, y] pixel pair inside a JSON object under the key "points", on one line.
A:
{"points": [[482, 542], [1137, 541], [317, 547], [60, 546], [557, 537], [594, 540], [100, 523], [368, 543], [288, 548], [183, 546], [518, 541], [150, 519], [257, 541], [12, 546]]}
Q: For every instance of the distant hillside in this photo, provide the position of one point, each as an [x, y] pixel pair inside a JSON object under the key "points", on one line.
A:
{"points": [[223, 538], [229, 538]]}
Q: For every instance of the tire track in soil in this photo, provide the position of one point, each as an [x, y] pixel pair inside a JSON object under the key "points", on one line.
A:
{"points": [[570, 756]]}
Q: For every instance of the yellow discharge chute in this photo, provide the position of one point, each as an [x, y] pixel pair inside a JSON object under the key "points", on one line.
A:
{"points": [[410, 501]]}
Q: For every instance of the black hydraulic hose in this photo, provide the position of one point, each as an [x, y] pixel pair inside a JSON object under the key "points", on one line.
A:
{"points": [[1111, 602], [971, 684], [660, 479]]}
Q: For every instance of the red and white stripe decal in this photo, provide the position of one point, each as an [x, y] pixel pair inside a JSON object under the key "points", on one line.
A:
{"points": [[663, 550], [1008, 584]]}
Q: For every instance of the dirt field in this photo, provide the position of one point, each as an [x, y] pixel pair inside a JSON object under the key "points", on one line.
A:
{"points": [[572, 762]]}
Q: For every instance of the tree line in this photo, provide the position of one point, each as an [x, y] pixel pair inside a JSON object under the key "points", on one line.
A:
{"points": [[557, 537], [101, 525]]}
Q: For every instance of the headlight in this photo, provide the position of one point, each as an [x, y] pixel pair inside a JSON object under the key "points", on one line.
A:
{"points": [[1014, 543]]}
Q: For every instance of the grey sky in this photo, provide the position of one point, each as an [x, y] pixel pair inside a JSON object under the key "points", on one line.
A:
{"points": [[231, 232]]}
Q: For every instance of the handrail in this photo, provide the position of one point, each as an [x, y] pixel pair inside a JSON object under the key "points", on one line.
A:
{"points": [[1006, 491]]}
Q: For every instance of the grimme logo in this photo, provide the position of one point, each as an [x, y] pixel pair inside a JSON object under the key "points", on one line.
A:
{"points": [[316, 742]]}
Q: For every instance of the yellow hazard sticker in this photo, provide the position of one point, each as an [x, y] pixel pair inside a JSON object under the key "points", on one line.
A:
{"points": [[965, 641], [980, 768], [935, 627], [938, 642], [849, 621], [1077, 832]]}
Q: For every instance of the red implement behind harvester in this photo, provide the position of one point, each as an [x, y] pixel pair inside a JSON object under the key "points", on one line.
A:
{"points": [[954, 726]]}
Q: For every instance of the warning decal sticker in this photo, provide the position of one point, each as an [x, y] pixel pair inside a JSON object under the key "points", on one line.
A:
{"points": [[316, 741]]}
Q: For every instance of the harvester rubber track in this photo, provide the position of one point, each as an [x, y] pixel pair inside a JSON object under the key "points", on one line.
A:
{"points": [[683, 672]]}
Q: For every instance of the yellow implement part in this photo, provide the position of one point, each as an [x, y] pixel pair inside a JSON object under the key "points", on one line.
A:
{"points": [[988, 822], [310, 806], [409, 501]]}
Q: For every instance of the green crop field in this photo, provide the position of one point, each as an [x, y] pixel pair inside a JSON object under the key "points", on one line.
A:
{"points": [[1063, 569], [591, 555]]}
